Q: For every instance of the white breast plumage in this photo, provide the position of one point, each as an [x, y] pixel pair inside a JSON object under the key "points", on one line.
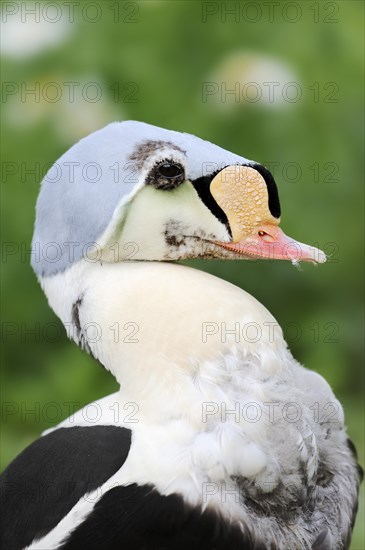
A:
{"points": [[217, 438]]}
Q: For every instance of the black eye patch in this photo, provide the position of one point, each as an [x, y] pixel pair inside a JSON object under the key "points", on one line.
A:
{"points": [[202, 187], [166, 175]]}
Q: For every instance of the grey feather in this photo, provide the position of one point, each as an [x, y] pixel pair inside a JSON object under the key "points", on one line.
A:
{"points": [[103, 171]]}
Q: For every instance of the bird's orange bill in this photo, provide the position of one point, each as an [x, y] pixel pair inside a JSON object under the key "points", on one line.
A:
{"points": [[242, 193]]}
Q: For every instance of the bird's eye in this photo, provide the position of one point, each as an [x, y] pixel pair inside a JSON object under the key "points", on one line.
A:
{"points": [[170, 170], [166, 175], [262, 233]]}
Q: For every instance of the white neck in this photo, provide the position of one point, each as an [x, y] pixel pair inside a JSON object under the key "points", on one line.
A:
{"points": [[168, 333]]}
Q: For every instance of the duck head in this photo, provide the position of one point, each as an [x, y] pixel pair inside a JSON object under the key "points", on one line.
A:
{"points": [[133, 192]]}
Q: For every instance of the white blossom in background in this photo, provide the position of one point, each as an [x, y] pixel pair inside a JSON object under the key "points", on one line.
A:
{"points": [[73, 112], [24, 34], [74, 120], [251, 78]]}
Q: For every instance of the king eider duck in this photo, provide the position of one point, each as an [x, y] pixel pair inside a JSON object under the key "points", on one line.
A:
{"points": [[211, 443]]}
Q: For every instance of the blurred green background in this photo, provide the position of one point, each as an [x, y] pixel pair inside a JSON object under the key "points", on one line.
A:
{"points": [[296, 70]]}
